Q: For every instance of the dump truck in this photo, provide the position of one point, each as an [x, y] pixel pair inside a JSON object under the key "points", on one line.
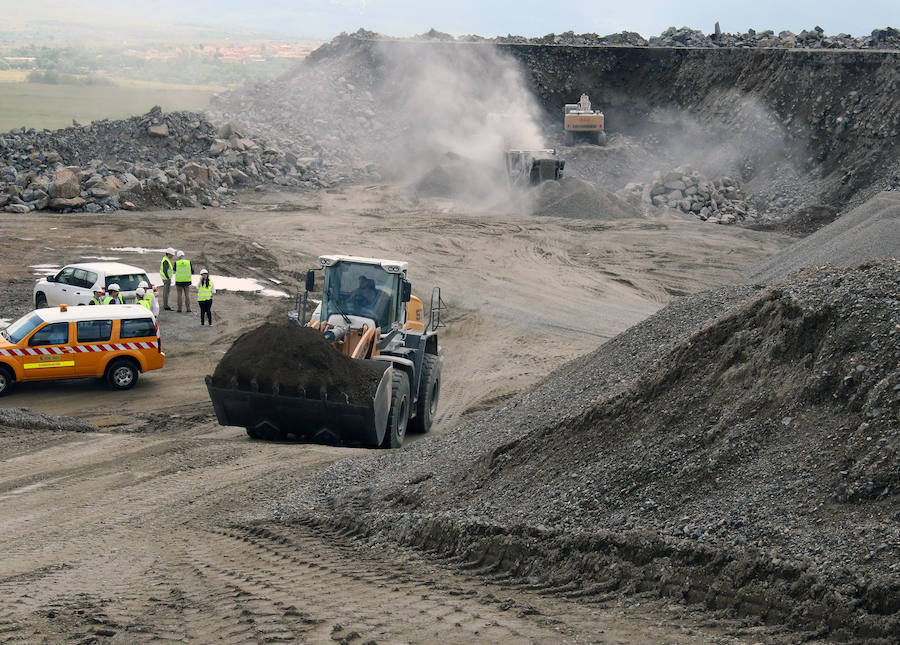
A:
{"points": [[583, 123], [379, 374], [531, 167]]}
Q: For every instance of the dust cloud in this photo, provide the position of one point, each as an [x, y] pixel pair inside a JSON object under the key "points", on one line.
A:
{"points": [[458, 109], [738, 135]]}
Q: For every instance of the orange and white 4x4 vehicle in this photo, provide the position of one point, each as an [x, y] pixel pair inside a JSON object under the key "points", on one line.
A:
{"points": [[114, 342]]}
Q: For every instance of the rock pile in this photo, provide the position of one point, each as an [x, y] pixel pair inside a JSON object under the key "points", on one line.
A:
{"points": [[815, 38], [719, 200], [886, 38], [155, 160]]}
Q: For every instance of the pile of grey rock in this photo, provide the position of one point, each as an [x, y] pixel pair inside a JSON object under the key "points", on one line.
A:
{"points": [[885, 38], [156, 160], [719, 200]]}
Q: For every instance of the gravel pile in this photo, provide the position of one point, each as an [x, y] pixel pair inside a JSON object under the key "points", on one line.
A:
{"points": [[871, 230], [151, 161], [26, 419], [576, 198], [749, 461]]}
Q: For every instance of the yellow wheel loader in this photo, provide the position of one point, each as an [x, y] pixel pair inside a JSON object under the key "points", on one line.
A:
{"points": [[583, 123], [388, 349]]}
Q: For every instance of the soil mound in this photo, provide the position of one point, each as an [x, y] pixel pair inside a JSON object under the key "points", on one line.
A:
{"points": [[293, 360], [576, 198]]}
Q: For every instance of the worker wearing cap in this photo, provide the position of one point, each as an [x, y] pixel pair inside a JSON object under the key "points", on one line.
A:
{"points": [[98, 297], [114, 297], [166, 271], [205, 291], [183, 273]]}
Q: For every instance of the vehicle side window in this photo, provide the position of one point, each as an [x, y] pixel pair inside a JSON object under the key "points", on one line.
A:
{"points": [[80, 279], [65, 276], [52, 334], [94, 331], [137, 328], [91, 279], [126, 281]]}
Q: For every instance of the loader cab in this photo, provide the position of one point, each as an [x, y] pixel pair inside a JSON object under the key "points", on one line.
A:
{"points": [[365, 287]]}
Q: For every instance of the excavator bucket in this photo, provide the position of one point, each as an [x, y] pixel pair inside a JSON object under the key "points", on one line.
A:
{"points": [[318, 417]]}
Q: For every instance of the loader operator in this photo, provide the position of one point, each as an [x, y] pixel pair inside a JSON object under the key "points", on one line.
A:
{"points": [[365, 295]]}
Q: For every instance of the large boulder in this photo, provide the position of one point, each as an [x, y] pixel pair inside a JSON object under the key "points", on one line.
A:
{"points": [[67, 183], [195, 171], [161, 130], [63, 203]]}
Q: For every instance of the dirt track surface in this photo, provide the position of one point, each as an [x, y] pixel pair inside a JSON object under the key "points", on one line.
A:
{"points": [[149, 529]]}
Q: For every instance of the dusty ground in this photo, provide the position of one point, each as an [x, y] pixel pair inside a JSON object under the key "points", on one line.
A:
{"points": [[148, 530]]}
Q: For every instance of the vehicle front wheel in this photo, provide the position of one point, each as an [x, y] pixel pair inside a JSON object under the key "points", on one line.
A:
{"points": [[429, 393], [399, 414], [122, 374], [40, 301], [6, 380]]}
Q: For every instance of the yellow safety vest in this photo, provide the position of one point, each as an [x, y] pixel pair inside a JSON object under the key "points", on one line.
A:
{"points": [[96, 301], [204, 293], [108, 300], [164, 265], [182, 271], [147, 301]]}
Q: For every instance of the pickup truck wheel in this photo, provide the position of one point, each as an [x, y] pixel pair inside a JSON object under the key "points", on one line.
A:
{"points": [[6, 380], [429, 393], [40, 301], [398, 417], [122, 374]]}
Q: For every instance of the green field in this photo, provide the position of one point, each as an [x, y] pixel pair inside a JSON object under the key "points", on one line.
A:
{"points": [[40, 105]]}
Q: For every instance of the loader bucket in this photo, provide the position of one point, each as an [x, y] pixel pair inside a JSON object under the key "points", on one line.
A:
{"points": [[323, 420]]}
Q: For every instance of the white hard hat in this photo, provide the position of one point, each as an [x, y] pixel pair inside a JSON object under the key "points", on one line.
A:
{"points": [[144, 285], [113, 287], [170, 251], [98, 289], [203, 271], [140, 291], [180, 254]]}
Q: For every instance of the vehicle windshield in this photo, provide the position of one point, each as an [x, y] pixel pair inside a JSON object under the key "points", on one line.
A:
{"points": [[127, 281], [360, 290], [21, 328]]}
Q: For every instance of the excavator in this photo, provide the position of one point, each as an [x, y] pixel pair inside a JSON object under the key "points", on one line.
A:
{"points": [[368, 314], [582, 122]]}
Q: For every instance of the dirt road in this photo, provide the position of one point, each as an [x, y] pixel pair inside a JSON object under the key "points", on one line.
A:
{"points": [[151, 529]]}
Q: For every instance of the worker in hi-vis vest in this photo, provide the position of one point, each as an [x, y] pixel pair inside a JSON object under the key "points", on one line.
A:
{"points": [[183, 273], [205, 291], [98, 297], [166, 271], [142, 299], [114, 297]]}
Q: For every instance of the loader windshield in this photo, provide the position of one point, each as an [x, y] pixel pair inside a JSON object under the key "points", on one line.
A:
{"points": [[361, 290]]}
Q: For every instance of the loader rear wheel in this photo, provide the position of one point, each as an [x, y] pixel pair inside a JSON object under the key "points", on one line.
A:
{"points": [[398, 418], [429, 393]]}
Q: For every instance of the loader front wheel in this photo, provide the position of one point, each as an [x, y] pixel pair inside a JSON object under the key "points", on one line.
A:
{"points": [[398, 418], [429, 393]]}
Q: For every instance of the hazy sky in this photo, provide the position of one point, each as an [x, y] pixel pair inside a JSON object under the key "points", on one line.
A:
{"points": [[323, 19]]}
